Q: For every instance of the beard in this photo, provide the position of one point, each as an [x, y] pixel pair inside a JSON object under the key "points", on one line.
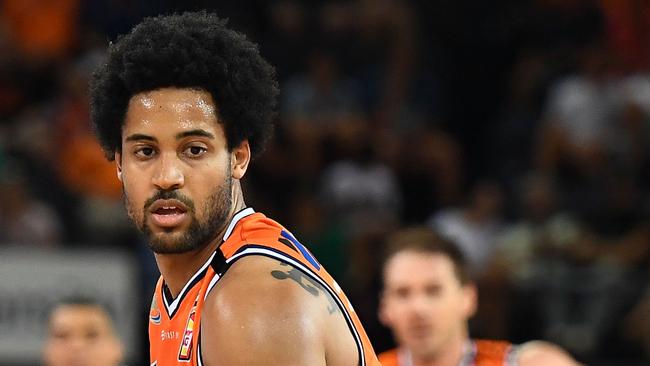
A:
{"points": [[199, 233]]}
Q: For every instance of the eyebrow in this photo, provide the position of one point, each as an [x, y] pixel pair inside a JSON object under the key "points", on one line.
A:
{"points": [[139, 136], [197, 132]]}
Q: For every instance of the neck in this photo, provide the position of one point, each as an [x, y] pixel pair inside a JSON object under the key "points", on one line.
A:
{"points": [[450, 354], [177, 269]]}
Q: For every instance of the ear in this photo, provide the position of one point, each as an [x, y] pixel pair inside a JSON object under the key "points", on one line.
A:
{"points": [[383, 313], [118, 164], [241, 156], [470, 300]]}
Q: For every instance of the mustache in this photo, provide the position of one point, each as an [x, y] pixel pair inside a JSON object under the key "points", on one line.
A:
{"points": [[169, 195]]}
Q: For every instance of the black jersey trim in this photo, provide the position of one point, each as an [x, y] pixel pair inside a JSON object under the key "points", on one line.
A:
{"points": [[172, 305]]}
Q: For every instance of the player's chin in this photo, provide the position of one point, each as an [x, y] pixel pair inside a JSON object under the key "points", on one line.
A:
{"points": [[169, 242], [424, 347], [421, 341]]}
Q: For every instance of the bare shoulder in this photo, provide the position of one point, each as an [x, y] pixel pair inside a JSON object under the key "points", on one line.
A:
{"points": [[264, 312], [540, 353], [267, 286]]}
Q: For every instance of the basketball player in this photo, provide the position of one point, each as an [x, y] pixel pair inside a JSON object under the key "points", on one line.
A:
{"points": [[80, 333], [183, 105], [427, 300]]}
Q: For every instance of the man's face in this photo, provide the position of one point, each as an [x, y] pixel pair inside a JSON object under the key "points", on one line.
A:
{"points": [[175, 168], [81, 335], [424, 303]]}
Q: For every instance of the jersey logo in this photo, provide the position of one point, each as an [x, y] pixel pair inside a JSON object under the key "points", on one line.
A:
{"points": [[185, 352], [154, 313]]}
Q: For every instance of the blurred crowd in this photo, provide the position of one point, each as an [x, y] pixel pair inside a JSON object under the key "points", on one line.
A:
{"points": [[520, 129]]}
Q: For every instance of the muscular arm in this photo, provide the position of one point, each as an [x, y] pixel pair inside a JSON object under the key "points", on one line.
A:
{"points": [[266, 313]]}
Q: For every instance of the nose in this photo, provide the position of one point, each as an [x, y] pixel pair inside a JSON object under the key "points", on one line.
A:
{"points": [[76, 344], [420, 305], [168, 174]]}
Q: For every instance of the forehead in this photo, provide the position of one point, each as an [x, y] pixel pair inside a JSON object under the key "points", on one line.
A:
{"points": [[79, 315], [411, 267], [176, 107]]}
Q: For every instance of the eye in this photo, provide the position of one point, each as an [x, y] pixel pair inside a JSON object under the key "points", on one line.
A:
{"points": [[195, 151], [60, 334], [144, 152], [402, 293], [433, 290], [92, 334]]}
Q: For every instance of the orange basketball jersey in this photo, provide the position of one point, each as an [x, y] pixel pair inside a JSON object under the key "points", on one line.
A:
{"points": [[477, 353], [175, 324]]}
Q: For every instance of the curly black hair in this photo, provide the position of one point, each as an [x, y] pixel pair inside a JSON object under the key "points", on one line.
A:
{"points": [[189, 50]]}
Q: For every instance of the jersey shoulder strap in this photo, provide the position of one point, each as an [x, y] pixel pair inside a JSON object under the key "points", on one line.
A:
{"points": [[257, 232]]}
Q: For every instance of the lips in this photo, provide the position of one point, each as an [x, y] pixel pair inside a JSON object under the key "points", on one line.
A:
{"points": [[168, 213], [420, 330]]}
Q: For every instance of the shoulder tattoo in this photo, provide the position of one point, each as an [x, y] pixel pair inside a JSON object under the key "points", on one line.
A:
{"points": [[311, 286]]}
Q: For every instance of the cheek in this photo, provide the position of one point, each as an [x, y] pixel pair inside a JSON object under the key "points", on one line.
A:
{"points": [[134, 201], [133, 188], [202, 184], [450, 310], [400, 312], [100, 347]]}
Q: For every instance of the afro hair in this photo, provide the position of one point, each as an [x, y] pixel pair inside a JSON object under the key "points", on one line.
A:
{"points": [[189, 50]]}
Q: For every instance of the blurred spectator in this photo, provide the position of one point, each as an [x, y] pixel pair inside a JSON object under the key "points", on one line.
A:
{"points": [[321, 100], [516, 272], [543, 230], [12, 79], [628, 29], [430, 171], [111, 18], [41, 29], [377, 45], [428, 312], [360, 190], [80, 163], [318, 106], [578, 116], [287, 40], [637, 324], [474, 226], [80, 333], [511, 141], [632, 115], [386, 53], [587, 289], [24, 220]]}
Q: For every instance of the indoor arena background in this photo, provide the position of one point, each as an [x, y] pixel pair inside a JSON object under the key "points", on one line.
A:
{"points": [[520, 128]]}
